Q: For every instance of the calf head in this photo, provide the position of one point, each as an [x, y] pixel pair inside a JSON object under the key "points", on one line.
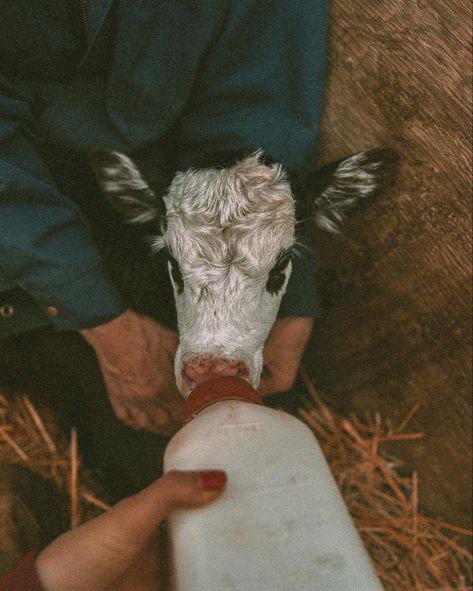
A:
{"points": [[229, 235]]}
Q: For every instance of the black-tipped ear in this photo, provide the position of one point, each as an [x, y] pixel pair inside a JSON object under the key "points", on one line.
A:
{"points": [[122, 184], [340, 187]]}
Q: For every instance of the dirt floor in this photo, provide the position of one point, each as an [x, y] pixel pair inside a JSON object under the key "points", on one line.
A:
{"points": [[41, 466], [397, 283], [396, 334]]}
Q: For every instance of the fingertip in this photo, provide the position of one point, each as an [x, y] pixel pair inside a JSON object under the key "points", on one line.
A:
{"points": [[178, 414], [213, 480], [212, 484], [177, 489], [194, 488]]}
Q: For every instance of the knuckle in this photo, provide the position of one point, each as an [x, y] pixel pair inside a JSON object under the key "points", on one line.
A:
{"points": [[285, 382], [174, 476], [121, 413], [182, 486], [140, 420], [177, 413], [160, 417], [165, 430]]}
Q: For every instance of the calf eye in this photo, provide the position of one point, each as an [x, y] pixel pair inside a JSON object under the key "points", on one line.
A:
{"points": [[276, 275], [176, 273]]}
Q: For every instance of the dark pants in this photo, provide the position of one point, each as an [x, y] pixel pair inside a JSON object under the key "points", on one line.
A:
{"points": [[33, 512], [59, 368]]}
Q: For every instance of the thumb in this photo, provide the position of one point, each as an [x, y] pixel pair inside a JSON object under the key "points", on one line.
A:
{"points": [[102, 550], [140, 514]]}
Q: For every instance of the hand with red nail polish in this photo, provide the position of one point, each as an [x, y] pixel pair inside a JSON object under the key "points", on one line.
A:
{"points": [[119, 549], [214, 480]]}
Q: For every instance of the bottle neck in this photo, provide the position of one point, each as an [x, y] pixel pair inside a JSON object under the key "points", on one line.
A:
{"points": [[218, 390]]}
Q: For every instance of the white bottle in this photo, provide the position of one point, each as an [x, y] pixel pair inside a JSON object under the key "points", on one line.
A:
{"points": [[281, 524]]}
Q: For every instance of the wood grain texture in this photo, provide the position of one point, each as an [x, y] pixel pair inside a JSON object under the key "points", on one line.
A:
{"points": [[397, 283]]}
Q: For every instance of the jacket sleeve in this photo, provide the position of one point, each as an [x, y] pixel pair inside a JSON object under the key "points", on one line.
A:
{"points": [[261, 82], [261, 85], [45, 246], [23, 577]]}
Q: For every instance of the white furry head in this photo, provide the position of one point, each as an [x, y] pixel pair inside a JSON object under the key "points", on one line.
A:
{"points": [[229, 235], [226, 230]]}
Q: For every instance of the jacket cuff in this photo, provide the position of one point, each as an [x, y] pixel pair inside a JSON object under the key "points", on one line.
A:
{"points": [[87, 301], [24, 577], [302, 297]]}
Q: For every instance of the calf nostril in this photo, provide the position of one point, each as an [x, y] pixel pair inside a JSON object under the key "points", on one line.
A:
{"points": [[225, 369], [194, 371], [202, 369]]}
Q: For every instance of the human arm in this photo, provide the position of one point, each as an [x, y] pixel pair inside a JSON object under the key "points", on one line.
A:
{"points": [[291, 332], [45, 246], [51, 273], [283, 352], [136, 356], [261, 87], [260, 84], [119, 549]]}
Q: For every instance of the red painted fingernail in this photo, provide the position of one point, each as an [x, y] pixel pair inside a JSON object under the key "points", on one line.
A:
{"points": [[213, 479]]}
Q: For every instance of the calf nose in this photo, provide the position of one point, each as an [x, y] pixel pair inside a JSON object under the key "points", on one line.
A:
{"points": [[202, 369]]}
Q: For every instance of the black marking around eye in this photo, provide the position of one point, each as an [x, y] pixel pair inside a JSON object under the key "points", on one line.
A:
{"points": [[277, 276], [163, 224], [176, 273]]}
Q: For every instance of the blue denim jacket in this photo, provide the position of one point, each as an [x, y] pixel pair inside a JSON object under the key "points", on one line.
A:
{"points": [[163, 81]]}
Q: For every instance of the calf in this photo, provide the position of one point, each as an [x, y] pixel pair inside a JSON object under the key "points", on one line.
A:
{"points": [[230, 237]]}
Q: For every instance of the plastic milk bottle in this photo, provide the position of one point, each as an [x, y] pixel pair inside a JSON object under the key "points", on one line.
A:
{"points": [[281, 524]]}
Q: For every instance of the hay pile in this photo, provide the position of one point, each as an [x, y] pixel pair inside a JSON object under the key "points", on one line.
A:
{"points": [[31, 437], [411, 552]]}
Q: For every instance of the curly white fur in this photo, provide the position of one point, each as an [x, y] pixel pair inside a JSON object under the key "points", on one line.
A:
{"points": [[225, 229]]}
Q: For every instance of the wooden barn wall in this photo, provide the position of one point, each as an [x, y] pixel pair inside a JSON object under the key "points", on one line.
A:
{"points": [[397, 285]]}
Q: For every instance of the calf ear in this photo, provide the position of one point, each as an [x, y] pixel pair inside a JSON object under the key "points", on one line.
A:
{"points": [[341, 186], [122, 184]]}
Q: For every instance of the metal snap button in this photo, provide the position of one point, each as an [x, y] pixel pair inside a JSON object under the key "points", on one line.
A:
{"points": [[7, 311], [52, 311]]}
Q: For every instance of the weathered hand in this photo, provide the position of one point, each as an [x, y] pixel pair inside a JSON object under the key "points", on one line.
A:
{"points": [[119, 550], [136, 356], [282, 353]]}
